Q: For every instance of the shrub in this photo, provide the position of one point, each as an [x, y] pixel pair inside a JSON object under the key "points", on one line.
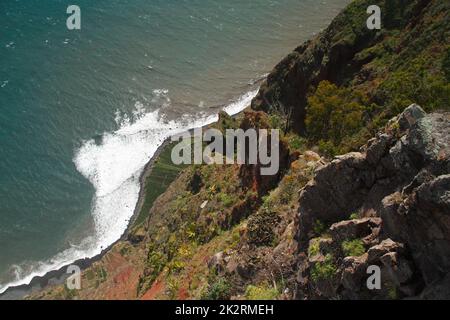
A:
{"points": [[334, 113], [102, 274], [295, 142], [156, 262], [173, 287], [402, 88], [219, 290], [260, 228], [288, 188], [314, 247], [324, 270], [263, 292], [226, 199], [354, 216], [277, 121], [319, 227], [267, 202], [353, 248], [327, 148]]}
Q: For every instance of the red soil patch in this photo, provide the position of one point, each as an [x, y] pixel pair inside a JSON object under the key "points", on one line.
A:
{"points": [[124, 275], [157, 287], [183, 294], [123, 281]]}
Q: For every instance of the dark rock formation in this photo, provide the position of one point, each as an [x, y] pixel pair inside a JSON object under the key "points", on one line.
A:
{"points": [[401, 183], [250, 174]]}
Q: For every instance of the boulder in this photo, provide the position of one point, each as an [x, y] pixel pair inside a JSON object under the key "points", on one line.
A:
{"points": [[385, 247], [354, 272], [352, 229], [399, 268]]}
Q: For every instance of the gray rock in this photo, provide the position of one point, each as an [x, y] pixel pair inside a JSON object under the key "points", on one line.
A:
{"points": [[400, 269], [410, 116], [402, 181], [354, 272], [352, 229], [385, 247]]}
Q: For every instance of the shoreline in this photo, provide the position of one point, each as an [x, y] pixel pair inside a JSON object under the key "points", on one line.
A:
{"points": [[59, 276]]}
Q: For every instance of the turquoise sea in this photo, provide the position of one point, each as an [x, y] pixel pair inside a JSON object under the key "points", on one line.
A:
{"points": [[82, 112]]}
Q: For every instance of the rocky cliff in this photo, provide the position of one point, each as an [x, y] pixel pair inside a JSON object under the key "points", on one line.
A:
{"points": [[369, 189], [387, 206], [398, 188]]}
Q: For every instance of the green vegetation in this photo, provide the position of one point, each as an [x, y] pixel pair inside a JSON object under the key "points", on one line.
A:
{"points": [[295, 142], [219, 290], [314, 247], [324, 270], [392, 292], [156, 261], [173, 287], [69, 294], [333, 114], [354, 216], [101, 274], [226, 199], [261, 292], [353, 248], [225, 122], [277, 121], [415, 85], [319, 227], [161, 176]]}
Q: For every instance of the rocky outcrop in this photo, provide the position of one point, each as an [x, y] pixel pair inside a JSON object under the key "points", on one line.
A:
{"points": [[400, 182], [421, 219], [250, 174]]}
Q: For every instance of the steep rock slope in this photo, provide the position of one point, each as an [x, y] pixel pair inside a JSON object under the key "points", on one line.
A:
{"points": [[399, 190], [311, 231]]}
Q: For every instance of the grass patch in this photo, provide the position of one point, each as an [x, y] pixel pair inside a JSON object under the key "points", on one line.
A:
{"points": [[219, 290], [296, 143], [314, 247], [262, 292], [226, 199], [163, 174], [354, 216], [319, 227], [324, 270], [353, 248]]}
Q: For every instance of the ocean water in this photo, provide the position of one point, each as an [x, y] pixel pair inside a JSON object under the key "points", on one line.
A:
{"points": [[82, 112]]}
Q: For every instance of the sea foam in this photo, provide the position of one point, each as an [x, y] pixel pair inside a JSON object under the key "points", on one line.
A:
{"points": [[114, 166]]}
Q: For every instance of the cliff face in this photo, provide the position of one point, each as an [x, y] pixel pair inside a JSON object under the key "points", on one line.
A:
{"points": [[387, 65], [313, 230], [398, 189]]}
